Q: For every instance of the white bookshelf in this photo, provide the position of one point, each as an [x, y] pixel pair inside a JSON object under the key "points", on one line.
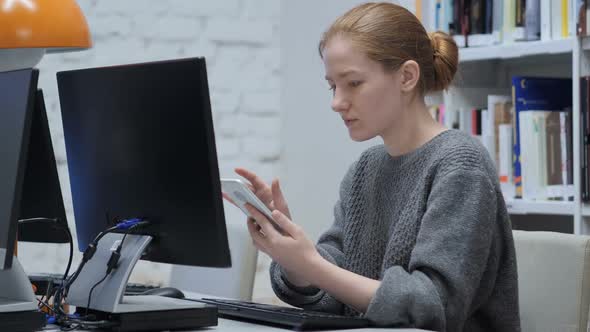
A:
{"points": [[492, 67], [516, 50], [524, 207]]}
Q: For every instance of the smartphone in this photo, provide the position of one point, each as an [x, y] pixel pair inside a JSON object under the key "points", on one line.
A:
{"points": [[241, 194]]}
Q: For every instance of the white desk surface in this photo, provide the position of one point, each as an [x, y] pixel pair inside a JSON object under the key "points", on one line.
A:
{"points": [[228, 325]]}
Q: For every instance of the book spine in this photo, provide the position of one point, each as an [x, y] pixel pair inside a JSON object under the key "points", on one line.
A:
{"points": [[553, 154], [556, 23], [508, 21], [564, 19], [489, 15], [564, 151], [584, 138], [545, 8], [532, 20], [580, 15], [517, 178], [497, 20]]}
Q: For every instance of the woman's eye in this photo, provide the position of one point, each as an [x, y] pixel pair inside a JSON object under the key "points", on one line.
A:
{"points": [[354, 84], [332, 88]]}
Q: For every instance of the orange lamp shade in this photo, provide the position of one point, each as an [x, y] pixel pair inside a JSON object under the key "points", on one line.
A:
{"points": [[48, 24]]}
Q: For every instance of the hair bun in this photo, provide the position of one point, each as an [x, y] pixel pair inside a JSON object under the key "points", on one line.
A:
{"points": [[446, 59]]}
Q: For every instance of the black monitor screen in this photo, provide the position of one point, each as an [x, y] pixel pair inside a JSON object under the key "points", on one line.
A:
{"points": [[41, 192], [140, 143], [17, 94]]}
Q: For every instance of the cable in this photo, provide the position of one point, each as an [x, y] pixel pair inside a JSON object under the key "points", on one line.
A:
{"points": [[44, 304], [128, 225], [116, 255], [60, 294], [62, 291], [92, 290], [71, 258], [65, 228]]}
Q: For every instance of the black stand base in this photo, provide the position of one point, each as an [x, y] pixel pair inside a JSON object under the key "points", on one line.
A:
{"points": [[22, 321], [181, 319]]}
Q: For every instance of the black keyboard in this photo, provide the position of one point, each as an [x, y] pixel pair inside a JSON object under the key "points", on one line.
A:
{"points": [[295, 318], [137, 289]]}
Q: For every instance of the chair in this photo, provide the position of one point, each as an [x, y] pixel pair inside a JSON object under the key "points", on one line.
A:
{"points": [[236, 282], [553, 280]]}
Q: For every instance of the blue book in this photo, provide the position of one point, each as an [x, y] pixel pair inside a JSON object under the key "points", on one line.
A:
{"points": [[536, 94]]}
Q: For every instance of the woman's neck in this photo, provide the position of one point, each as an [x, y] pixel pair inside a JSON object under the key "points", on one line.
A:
{"points": [[414, 128]]}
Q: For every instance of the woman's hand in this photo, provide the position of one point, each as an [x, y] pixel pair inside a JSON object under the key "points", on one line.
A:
{"points": [[292, 250], [271, 195], [274, 199]]}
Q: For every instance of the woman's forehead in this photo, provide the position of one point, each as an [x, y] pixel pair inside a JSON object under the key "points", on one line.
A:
{"points": [[341, 59]]}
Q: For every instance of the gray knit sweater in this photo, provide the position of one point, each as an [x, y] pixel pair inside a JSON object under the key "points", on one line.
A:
{"points": [[431, 225]]}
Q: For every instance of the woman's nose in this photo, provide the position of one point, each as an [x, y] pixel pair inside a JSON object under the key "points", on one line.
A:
{"points": [[339, 103]]}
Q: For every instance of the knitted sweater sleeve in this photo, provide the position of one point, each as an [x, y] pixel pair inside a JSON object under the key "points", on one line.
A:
{"points": [[330, 247], [449, 259]]}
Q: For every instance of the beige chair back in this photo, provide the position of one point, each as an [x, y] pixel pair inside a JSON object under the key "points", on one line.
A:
{"points": [[553, 281]]}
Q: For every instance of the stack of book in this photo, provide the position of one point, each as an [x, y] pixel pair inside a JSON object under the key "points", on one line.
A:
{"points": [[488, 22], [528, 134]]}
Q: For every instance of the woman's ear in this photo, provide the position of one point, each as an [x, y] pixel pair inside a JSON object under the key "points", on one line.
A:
{"points": [[410, 74]]}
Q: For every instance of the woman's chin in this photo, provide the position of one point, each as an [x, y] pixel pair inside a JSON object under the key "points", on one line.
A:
{"points": [[359, 136]]}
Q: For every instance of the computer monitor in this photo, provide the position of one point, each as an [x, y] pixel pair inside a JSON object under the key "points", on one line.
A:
{"points": [[18, 308], [41, 190], [140, 144], [17, 97]]}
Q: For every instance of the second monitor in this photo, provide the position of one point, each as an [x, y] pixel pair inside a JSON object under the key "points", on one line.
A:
{"points": [[140, 144]]}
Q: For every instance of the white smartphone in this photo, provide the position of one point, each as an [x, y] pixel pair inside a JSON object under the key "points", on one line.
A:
{"points": [[241, 194]]}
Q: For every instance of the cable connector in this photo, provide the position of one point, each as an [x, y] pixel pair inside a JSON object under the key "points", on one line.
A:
{"points": [[89, 252], [113, 260], [126, 224]]}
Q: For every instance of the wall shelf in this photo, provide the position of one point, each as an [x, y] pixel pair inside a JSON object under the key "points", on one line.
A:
{"points": [[517, 50], [523, 207]]}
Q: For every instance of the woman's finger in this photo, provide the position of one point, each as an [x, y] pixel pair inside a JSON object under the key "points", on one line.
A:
{"points": [[258, 186], [257, 237], [280, 203], [254, 179], [266, 227], [226, 196], [288, 227]]}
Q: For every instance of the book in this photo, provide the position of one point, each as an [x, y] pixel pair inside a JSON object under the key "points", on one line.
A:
{"points": [[533, 154], [505, 160], [499, 107], [554, 175], [535, 94], [567, 151]]}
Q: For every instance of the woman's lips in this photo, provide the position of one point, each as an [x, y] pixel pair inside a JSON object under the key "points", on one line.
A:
{"points": [[349, 122]]}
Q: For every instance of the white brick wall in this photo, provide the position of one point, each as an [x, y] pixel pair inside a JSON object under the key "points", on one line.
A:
{"points": [[240, 40]]}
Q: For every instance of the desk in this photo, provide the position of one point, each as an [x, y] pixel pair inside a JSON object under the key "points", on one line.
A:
{"points": [[229, 325]]}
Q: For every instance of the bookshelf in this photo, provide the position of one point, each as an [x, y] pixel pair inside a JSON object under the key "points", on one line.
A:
{"points": [[491, 67], [524, 207], [517, 50]]}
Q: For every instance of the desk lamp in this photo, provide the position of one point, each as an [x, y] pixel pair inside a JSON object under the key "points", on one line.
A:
{"points": [[31, 28]]}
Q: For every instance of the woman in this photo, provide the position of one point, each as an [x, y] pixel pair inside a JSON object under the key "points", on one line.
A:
{"points": [[421, 235]]}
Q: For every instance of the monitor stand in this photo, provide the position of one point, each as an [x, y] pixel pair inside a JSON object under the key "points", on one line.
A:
{"points": [[18, 305], [137, 312]]}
